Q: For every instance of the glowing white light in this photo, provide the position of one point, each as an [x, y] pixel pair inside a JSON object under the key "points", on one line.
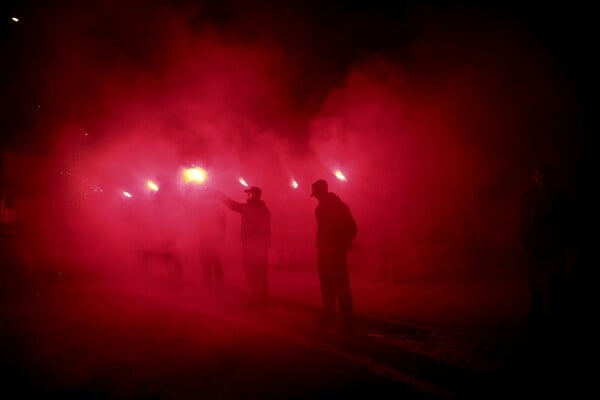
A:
{"points": [[127, 194], [294, 184], [338, 174], [243, 182], [194, 175], [152, 186], [15, 19]]}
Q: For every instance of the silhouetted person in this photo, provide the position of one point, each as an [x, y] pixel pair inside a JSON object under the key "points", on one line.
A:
{"points": [[162, 233], [336, 230], [547, 226], [256, 239], [211, 238]]}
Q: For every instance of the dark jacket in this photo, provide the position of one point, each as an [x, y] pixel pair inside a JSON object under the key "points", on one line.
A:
{"points": [[336, 227], [547, 221], [256, 222]]}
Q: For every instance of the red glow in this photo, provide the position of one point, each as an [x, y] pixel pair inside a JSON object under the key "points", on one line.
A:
{"points": [[215, 102]]}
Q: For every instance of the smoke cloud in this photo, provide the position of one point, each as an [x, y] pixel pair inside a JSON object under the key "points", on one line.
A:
{"points": [[436, 126]]}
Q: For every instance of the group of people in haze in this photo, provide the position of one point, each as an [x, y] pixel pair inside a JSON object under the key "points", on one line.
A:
{"points": [[336, 230], [546, 232]]}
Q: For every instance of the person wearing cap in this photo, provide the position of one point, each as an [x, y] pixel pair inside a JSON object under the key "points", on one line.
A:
{"points": [[336, 230], [256, 239]]}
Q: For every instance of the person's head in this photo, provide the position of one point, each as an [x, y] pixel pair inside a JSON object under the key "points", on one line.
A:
{"points": [[319, 188], [543, 177], [254, 193]]}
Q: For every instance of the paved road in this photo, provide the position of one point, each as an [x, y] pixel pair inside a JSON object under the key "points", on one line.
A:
{"points": [[76, 339], [86, 341]]}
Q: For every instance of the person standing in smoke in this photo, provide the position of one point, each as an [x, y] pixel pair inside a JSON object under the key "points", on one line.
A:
{"points": [[256, 240], [211, 238], [546, 232], [162, 231], [336, 230]]}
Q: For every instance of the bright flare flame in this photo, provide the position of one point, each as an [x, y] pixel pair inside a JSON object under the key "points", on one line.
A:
{"points": [[243, 182], [338, 174], [15, 19], [294, 184], [152, 186], [127, 194], [195, 175]]}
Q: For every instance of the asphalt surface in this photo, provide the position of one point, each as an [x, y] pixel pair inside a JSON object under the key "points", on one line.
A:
{"points": [[69, 337], [73, 341]]}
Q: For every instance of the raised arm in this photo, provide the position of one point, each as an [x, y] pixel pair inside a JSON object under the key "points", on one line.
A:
{"points": [[234, 205]]}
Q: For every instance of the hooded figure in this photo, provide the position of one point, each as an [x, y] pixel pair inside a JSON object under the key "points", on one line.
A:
{"points": [[256, 239], [336, 230]]}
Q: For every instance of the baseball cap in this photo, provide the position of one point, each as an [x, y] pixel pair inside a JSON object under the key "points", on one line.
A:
{"points": [[256, 191], [319, 186]]}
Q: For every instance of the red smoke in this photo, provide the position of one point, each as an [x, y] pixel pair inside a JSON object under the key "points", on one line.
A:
{"points": [[431, 138]]}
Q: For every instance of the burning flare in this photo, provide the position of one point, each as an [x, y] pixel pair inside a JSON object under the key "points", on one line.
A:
{"points": [[243, 182], [127, 194], [195, 175], [294, 184], [338, 174], [152, 186]]}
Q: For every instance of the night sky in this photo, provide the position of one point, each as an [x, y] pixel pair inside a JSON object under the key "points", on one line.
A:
{"points": [[322, 41]]}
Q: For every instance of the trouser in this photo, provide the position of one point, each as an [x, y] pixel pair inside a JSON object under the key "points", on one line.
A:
{"points": [[335, 284], [164, 258], [255, 264], [547, 284], [212, 268]]}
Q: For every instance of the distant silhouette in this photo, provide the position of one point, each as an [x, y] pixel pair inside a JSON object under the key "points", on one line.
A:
{"points": [[256, 239], [547, 226], [162, 230], [211, 235], [336, 230]]}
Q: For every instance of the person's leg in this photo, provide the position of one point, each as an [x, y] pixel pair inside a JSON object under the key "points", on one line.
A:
{"points": [[262, 279], [557, 288], [205, 264], [249, 265], [218, 272], [175, 269], [343, 291], [146, 263], [537, 285], [327, 285]]}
